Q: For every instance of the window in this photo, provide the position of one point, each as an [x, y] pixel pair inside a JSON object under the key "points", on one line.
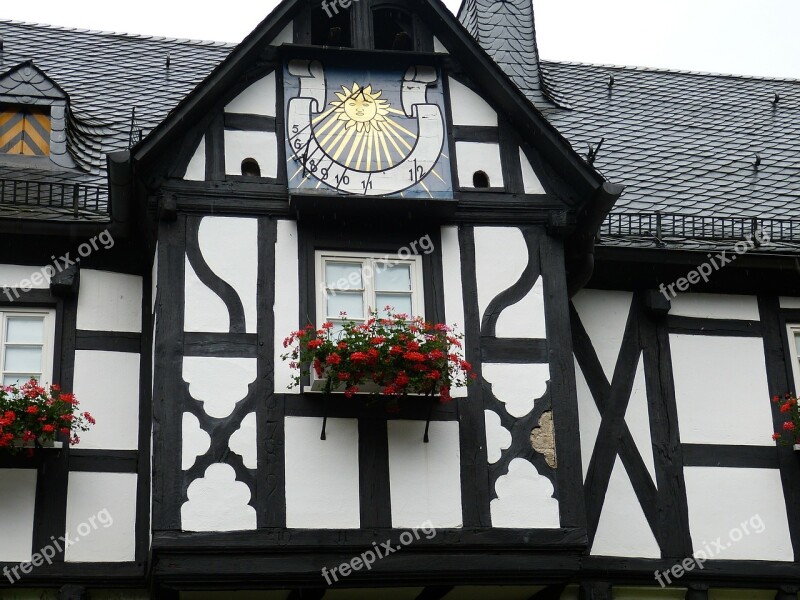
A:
{"points": [[392, 29], [332, 29], [358, 283], [24, 130], [794, 349], [26, 345]]}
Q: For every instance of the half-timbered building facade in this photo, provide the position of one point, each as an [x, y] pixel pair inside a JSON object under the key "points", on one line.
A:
{"points": [[617, 245]]}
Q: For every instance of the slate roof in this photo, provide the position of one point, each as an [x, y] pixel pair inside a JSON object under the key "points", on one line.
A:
{"points": [[681, 143], [106, 75], [687, 144]]}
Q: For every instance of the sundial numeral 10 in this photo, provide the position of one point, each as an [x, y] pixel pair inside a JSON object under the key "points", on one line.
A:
{"points": [[342, 179]]}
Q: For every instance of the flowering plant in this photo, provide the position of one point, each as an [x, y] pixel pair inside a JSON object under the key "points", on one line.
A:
{"points": [[395, 353], [32, 413], [791, 426]]}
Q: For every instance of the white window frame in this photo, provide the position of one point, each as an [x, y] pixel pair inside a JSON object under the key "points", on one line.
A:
{"points": [[48, 345], [793, 330], [368, 293]]}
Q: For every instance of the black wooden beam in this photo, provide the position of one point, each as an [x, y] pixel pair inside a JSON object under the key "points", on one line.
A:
{"points": [[109, 341], [717, 455], [722, 327]]}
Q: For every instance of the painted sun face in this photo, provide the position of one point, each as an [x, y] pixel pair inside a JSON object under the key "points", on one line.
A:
{"points": [[359, 107]]}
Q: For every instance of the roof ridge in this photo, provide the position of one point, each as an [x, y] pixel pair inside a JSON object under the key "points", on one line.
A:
{"points": [[134, 36], [671, 71]]}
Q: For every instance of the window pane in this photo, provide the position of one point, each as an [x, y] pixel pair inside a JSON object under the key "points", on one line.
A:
{"points": [[400, 302], [343, 276], [23, 359], [393, 278], [25, 330], [350, 302], [20, 379], [797, 343]]}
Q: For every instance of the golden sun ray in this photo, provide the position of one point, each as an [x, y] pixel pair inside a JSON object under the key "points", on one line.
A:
{"points": [[364, 139], [353, 148], [348, 134], [370, 137], [437, 175], [422, 183], [389, 128], [324, 141], [400, 127], [390, 136], [385, 149]]}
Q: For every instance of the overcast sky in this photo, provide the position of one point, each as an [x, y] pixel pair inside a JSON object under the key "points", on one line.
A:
{"points": [[746, 37]]}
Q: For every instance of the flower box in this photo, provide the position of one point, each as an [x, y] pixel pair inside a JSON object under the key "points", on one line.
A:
{"points": [[33, 416], [389, 356], [790, 431]]}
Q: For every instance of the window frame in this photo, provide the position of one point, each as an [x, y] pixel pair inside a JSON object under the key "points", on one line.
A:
{"points": [[368, 287], [28, 112], [793, 332], [48, 339]]}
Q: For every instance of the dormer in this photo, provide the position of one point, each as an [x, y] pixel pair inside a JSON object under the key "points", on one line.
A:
{"points": [[33, 111]]}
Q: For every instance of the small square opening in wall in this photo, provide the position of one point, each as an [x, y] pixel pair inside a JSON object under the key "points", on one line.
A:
{"points": [[479, 165]]}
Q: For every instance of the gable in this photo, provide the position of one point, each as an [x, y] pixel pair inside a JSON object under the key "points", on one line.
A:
{"points": [[492, 137]]}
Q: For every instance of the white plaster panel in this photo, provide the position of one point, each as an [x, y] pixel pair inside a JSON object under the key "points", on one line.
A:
{"points": [[107, 385], [715, 306], [498, 438], [196, 442], [728, 503], [218, 502], [203, 310], [524, 498], [425, 479], [637, 416], [623, 529], [259, 145], [721, 390], [13, 275], [479, 156], [196, 169], [501, 256], [517, 386], [525, 318], [604, 315], [17, 500], [219, 383], [257, 99], [468, 108], [789, 302], [453, 291], [322, 476], [286, 36], [588, 418], [243, 441], [439, 47], [110, 301], [111, 499], [530, 181], [287, 300], [230, 248]]}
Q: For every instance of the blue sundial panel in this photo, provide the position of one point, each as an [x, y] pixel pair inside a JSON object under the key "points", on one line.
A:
{"points": [[368, 132]]}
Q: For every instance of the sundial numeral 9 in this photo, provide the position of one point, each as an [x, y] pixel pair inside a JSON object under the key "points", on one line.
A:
{"points": [[324, 172]]}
